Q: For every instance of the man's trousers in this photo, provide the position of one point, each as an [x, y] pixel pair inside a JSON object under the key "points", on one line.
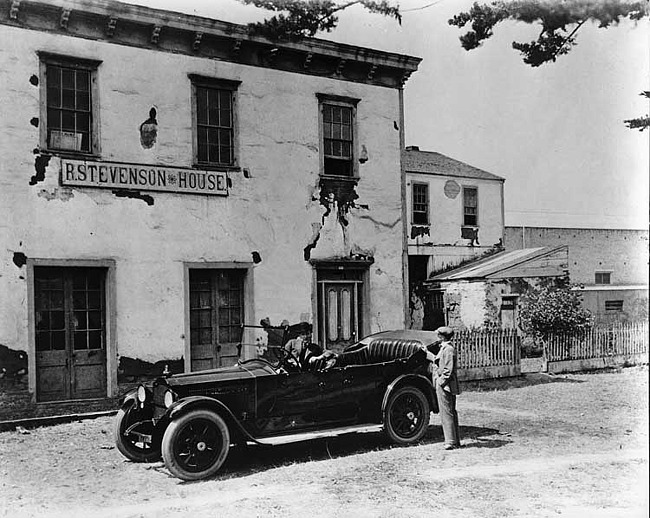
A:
{"points": [[448, 416]]}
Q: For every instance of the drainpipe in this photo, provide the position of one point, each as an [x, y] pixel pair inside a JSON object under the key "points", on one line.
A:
{"points": [[405, 270]]}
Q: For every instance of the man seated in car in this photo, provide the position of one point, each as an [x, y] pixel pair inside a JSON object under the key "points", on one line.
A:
{"points": [[307, 355]]}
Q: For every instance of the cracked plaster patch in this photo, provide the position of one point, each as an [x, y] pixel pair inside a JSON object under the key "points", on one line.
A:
{"points": [[63, 194]]}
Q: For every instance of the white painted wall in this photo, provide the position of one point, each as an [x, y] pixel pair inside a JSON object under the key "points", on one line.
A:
{"points": [[444, 241], [273, 212]]}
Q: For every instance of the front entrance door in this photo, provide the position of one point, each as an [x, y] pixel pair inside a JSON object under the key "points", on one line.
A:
{"points": [[216, 317], [340, 303], [70, 322], [340, 325]]}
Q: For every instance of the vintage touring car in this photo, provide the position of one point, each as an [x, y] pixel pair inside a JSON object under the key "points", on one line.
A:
{"points": [[191, 420]]}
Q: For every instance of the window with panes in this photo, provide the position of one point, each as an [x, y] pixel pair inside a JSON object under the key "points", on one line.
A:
{"points": [[215, 121], [470, 206], [420, 204], [603, 278], [69, 119], [337, 117]]}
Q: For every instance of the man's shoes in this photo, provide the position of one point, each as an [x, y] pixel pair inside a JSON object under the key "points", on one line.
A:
{"points": [[451, 446]]}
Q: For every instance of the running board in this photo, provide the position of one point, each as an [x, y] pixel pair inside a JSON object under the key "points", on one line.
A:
{"points": [[308, 436]]}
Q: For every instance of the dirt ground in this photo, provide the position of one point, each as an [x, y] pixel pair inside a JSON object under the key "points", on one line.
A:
{"points": [[534, 446]]}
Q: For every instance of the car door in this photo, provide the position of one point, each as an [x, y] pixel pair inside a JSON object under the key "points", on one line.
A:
{"points": [[349, 394], [287, 402]]}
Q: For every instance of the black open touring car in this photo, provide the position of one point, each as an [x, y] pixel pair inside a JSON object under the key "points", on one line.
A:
{"points": [[193, 419]]}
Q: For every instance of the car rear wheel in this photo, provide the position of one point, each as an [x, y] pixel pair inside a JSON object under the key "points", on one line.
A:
{"points": [[406, 417], [134, 435], [196, 445]]}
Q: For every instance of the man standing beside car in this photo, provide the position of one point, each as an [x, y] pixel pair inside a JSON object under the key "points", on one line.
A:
{"points": [[445, 381]]}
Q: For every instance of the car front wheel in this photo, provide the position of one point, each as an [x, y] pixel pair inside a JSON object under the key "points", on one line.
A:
{"points": [[134, 435], [406, 417], [196, 445]]}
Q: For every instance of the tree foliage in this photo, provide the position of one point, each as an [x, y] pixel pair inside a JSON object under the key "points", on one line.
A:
{"points": [[553, 309], [639, 123], [559, 22], [298, 19]]}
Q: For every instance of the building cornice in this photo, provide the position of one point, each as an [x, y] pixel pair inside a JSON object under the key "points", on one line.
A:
{"points": [[166, 31]]}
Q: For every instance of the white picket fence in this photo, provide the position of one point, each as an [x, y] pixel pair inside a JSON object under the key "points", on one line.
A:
{"points": [[488, 353], [495, 353]]}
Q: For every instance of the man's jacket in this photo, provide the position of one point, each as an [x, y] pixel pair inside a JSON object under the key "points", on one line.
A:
{"points": [[446, 364]]}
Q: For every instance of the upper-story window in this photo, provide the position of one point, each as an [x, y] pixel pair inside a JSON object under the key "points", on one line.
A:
{"points": [[470, 206], [69, 100], [338, 135], [215, 121], [603, 277], [420, 204]]}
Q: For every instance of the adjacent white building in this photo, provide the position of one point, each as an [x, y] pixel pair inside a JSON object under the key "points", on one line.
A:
{"points": [[455, 215]]}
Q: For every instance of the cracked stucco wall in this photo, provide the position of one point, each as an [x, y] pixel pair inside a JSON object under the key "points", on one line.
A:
{"points": [[271, 210]]}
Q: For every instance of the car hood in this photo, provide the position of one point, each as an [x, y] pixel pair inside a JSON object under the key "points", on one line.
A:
{"points": [[241, 371]]}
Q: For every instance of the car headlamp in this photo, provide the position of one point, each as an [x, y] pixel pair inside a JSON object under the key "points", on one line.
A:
{"points": [[142, 394], [170, 398]]}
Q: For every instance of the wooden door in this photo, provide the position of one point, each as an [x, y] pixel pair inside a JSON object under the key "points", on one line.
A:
{"points": [[70, 322], [216, 316], [434, 311]]}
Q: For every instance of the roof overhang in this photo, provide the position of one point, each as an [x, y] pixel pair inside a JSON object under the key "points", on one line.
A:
{"points": [[523, 263], [167, 31]]}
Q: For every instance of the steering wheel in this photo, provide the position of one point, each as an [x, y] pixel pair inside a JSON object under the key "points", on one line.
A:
{"points": [[286, 360]]}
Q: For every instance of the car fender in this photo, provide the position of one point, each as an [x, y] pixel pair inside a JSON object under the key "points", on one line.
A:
{"points": [[183, 406], [131, 395], [417, 380]]}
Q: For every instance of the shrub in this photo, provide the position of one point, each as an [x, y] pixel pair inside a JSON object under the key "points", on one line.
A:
{"points": [[553, 310]]}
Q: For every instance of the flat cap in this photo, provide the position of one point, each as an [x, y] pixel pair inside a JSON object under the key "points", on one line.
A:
{"points": [[445, 332]]}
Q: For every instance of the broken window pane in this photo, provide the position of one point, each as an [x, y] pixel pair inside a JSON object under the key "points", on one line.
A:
{"points": [[68, 108]]}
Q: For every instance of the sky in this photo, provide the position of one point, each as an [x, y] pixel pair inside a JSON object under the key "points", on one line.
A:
{"points": [[554, 132]]}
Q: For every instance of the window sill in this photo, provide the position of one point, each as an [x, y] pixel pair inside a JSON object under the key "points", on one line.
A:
{"points": [[75, 155], [220, 168], [351, 179]]}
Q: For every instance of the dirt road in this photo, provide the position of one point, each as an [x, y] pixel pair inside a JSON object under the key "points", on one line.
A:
{"points": [[537, 446]]}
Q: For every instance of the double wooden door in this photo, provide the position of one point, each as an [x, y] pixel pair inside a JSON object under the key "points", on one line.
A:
{"points": [[216, 317], [70, 333]]}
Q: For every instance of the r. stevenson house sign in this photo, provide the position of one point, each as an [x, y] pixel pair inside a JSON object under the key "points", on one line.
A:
{"points": [[118, 175]]}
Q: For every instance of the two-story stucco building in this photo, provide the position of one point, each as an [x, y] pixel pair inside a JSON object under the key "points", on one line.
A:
{"points": [[166, 179], [455, 215]]}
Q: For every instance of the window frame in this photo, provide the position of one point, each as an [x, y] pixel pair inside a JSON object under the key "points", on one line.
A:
{"points": [[604, 275], [466, 188], [615, 305], [47, 59], [346, 102], [232, 86], [426, 203]]}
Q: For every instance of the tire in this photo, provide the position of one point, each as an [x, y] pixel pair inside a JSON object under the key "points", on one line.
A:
{"points": [[196, 445], [131, 445], [406, 417]]}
